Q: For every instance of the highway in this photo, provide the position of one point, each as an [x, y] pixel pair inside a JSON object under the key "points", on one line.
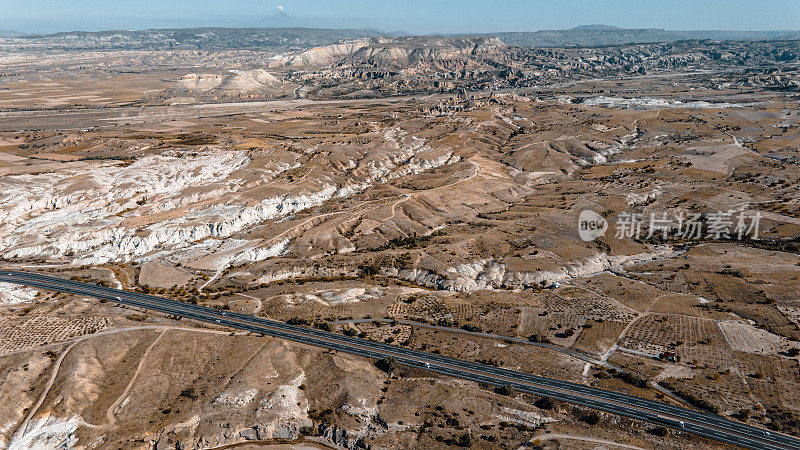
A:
{"points": [[658, 413]]}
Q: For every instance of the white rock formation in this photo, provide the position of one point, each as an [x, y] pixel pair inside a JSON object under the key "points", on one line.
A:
{"points": [[232, 82], [233, 398], [11, 294], [78, 213], [47, 433], [199, 82], [391, 51], [490, 274], [176, 205], [642, 103], [284, 413]]}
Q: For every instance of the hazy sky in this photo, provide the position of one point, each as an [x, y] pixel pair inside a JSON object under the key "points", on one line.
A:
{"points": [[414, 16]]}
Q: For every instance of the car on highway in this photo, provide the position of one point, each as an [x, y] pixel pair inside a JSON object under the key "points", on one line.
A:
{"points": [[670, 421]]}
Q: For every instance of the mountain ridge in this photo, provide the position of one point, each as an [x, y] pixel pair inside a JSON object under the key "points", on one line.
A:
{"points": [[292, 38], [11, 33]]}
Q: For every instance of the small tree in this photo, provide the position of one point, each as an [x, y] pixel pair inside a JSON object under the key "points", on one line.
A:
{"points": [[743, 414], [592, 418], [507, 390], [545, 403], [464, 440], [388, 364]]}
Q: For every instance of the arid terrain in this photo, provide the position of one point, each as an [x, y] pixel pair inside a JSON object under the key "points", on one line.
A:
{"points": [[418, 191]]}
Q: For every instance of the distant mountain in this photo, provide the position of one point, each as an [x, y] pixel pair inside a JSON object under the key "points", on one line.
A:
{"points": [[281, 34], [724, 35], [609, 35], [281, 20], [273, 38], [10, 34], [791, 37], [595, 28]]}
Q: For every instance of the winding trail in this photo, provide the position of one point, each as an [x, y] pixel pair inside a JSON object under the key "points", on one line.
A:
{"points": [[112, 419], [550, 437], [22, 428], [406, 197], [260, 303]]}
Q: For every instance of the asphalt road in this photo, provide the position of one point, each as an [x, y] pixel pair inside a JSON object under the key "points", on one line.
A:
{"points": [[699, 423]]}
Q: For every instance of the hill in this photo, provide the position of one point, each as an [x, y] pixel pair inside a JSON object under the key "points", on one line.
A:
{"points": [[10, 34], [279, 39], [395, 51]]}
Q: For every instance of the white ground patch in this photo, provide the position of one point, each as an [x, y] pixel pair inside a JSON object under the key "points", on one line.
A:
{"points": [[745, 337], [523, 417], [285, 411], [80, 211], [47, 433], [236, 398], [284, 400], [643, 103], [11, 294], [334, 296]]}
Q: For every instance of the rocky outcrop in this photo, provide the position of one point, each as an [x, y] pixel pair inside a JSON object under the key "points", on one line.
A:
{"points": [[284, 413], [308, 272], [230, 82], [11, 294], [325, 55], [114, 244], [394, 51], [46, 432], [490, 274], [199, 82], [281, 415], [341, 437], [368, 417]]}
